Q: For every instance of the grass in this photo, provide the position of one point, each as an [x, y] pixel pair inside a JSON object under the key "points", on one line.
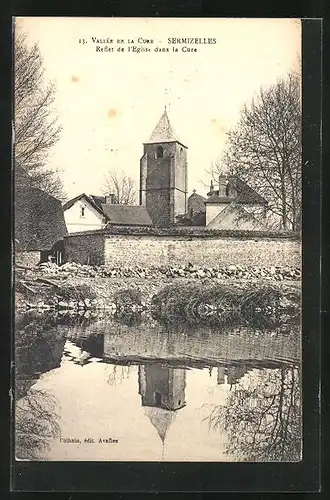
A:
{"points": [[223, 304]]}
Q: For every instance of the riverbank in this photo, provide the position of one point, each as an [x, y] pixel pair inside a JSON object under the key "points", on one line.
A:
{"points": [[74, 286]]}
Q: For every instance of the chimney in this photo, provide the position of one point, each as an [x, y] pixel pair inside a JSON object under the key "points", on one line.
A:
{"points": [[110, 199], [222, 186], [211, 192]]}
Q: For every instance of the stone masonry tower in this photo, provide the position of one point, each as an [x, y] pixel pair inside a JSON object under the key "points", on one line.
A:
{"points": [[163, 175]]}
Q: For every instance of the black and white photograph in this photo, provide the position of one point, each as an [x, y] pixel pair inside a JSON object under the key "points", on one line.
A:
{"points": [[157, 261]]}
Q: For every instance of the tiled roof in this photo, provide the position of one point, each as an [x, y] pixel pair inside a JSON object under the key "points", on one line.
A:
{"points": [[116, 214], [216, 199], [127, 215], [39, 219], [163, 132], [196, 202], [196, 196], [95, 201], [245, 194], [198, 219], [98, 200]]}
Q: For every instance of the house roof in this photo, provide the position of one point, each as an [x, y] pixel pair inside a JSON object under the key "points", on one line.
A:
{"points": [[245, 194], [196, 197], [94, 201], [39, 220], [199, 219], [196, 220], [126, 215], [196, 202], [98, 200], [163, 132], [115, 214], [217, 199]]}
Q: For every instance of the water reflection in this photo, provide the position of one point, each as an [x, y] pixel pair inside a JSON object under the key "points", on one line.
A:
{"points": [[234, 392], [36, 424], [162, 390], [262, 417], [39, 346]]}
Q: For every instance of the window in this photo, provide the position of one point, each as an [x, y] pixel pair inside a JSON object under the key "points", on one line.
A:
{"points": [[159, 152], [82, 211]]}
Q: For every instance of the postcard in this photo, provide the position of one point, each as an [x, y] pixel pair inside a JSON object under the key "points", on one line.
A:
{"points": [[157, 236]]}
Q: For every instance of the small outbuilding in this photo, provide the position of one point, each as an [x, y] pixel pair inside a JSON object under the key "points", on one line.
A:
{"points": [[39, 227]]}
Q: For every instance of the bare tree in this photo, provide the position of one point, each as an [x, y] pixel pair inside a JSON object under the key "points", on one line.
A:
{"points": [[121, 186], [262, 418], [36, 424], [264, 149], [36, 129]]}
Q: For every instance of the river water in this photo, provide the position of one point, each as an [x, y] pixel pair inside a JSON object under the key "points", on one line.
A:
{"points": [[104, 388]]}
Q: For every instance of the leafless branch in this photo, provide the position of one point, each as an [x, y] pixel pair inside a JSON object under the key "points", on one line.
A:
{"points": [[264, 149], [36, 129], [121, 186]]}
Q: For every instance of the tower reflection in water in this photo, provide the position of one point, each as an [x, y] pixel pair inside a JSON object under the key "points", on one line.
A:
{"points": [[162, 390]]}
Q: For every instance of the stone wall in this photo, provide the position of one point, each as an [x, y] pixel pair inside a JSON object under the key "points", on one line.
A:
{"points": [[85, 247], [150, 247], [146, 251], [151, 342], [29, 259]]}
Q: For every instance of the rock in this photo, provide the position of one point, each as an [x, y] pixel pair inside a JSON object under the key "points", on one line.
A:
{"points": [[68, 266]]}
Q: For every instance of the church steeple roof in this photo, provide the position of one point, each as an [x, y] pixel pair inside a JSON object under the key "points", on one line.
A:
{"points": [[161, 419], [163, 132]]}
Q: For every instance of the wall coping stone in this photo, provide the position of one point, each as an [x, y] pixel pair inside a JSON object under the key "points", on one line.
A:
{"points": [[189, 232]]}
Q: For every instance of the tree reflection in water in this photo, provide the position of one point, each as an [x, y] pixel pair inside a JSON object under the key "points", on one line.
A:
{"points": [[262, 416], [36, 424], [116, 374], [39, 345]]}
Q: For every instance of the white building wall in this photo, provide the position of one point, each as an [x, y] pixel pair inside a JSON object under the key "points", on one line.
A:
{"points": [[77, 221], [213, 209]]}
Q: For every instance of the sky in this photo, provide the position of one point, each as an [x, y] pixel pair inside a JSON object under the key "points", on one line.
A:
{"points": [[108, 103], [120, 415]]}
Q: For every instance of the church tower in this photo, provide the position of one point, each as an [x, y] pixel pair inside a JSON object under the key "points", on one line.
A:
{"points": [[163, 175], [162, 386]]}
